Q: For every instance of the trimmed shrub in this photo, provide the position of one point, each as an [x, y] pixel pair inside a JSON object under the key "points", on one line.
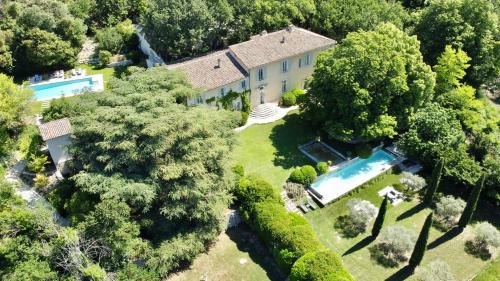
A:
{"points": [[297, 176], [363, 150], [41, 181], [37, 163], [319, 266], [292, 97], [288, 99], [322, 168], [244, 118], [252, 190], [104, 58], [309, 173]]}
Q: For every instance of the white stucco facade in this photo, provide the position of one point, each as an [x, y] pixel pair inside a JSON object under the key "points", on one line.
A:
{"points": [[58, 149]]}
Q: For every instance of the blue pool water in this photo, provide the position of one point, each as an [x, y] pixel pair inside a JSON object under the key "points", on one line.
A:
{"points": [[336, 183], [58, 89]]}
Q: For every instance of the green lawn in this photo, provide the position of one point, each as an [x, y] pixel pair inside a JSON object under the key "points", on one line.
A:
{"points": [[237, 255], [490, 273], [271, 150], [358, 261]]}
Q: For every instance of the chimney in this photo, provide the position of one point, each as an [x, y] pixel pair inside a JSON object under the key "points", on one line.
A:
{"points": [[218, 63], [283, 40], [289, 28]]}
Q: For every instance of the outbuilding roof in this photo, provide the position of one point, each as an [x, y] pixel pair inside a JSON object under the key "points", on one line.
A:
{"points": [[55, 129], [212, 71], [269, 47]]}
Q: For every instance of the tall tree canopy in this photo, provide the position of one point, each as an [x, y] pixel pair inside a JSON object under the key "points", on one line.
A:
{"points": [[14, 100], [336, 18], [38, 35], [471, 25], [368, 85], [138, 143]]}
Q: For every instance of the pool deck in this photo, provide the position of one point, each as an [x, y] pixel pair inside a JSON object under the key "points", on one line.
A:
{"points": [[98, 79], [327, 194]]}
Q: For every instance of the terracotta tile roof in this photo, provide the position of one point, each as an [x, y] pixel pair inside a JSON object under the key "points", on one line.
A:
{"points": [[55, 129], [266, 48], [205, 72]]}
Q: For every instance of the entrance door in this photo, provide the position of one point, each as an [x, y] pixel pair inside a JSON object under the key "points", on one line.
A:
{"points": [[262, 95]]}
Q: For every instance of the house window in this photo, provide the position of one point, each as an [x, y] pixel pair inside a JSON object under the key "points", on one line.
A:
{"points": [[244, 84], [300, 63], [284, 66], [308, 59], [260, 74], [222, 92], [283, 86]]}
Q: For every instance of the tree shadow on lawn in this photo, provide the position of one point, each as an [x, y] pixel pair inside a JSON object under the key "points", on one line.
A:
{"points": [[415, 210], [401, 274], [452, 233], [358, 246], [287, 137], [247, 241]]}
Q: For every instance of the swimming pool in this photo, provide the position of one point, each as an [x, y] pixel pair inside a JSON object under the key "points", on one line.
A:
{"points": [[334, 184], [52, 90]]}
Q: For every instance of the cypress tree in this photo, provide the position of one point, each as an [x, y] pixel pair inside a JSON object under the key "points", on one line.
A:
{"points": [[379, 221], [436, 177], [471, 203], [421, 244]]}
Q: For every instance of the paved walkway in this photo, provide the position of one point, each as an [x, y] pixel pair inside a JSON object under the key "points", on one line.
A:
{"points": [[281, 112], [28, 193]]}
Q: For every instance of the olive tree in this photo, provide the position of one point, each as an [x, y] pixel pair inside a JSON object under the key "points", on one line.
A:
{"points": [[436, 270], [412, 182], [394, 245], [485, 241], [448, 211]]}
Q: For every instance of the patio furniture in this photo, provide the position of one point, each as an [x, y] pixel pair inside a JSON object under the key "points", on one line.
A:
{"points": [[303, 208], [311, 203]]}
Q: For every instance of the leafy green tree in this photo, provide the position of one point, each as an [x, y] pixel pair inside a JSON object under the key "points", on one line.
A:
{"points": [[14, 103], [139, 144], [450, 69], [471, 25], [358, 101], [336, 18], [421, 245], [276, 14], [379, 221], [42, 51], [132, 272], [434, 185], [32, 270], [185, 25], [471, 203]]}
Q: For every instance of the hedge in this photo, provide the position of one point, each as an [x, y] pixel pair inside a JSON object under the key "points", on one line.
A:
{"points": [[319, 266], [322, 168], [288, 235], [304, 175], [291, 98]]}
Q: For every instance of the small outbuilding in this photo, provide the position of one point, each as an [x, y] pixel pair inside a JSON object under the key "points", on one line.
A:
{"points": [[57, 135]]}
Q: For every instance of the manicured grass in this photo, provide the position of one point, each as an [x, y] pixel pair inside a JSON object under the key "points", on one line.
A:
{"points": [[271, 150], [106, 72], [490, 273], [237, 255], [408, 214]]}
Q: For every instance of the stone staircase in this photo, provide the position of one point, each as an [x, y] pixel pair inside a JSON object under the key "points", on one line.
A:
{"points": [[265, 110]]}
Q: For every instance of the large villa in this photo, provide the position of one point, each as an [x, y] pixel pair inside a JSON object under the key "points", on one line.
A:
{"points": [[268, 65]]}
